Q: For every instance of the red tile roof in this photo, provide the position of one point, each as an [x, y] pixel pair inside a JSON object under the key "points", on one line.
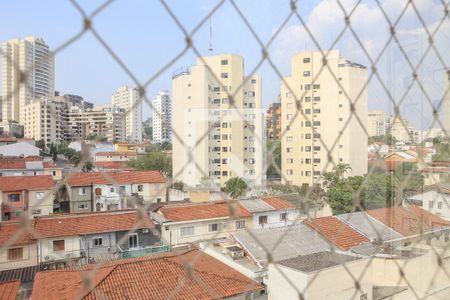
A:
{"points": [[337, 232], [115, 165], [409, 220], [125, 177], [14, 234], [199, 211], [18, 183], [9, 289], [116, 153], [89, 223], [13, 139], [153, 277], [278, 203], [20, 163]]}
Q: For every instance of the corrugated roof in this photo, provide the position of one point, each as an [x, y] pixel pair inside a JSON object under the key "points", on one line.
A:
{"points": [[147, 278], [18, 183], [23, 274], [255, 205], [281, 243], [124, 177]]}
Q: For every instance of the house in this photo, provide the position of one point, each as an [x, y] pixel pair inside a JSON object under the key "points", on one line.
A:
{"points": [[129, 147], [29, 166], [114, 156], [434, 174], [193, 222], [33, 195], [435, 200], [19, 149], [156, 277], [308, 275], [380, 149], [102, 191], [270, 212], [18, 247], [63, 237], [111, 166], [395, 159]]}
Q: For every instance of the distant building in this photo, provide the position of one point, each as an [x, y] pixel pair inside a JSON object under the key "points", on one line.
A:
{"points": [[401, 130], [162, 118], [324, 129], [216, 140], [378, 123], [115, 156], [29, 166], [75, 100], [30, 56], [128, 98], [273, 121], [446, 103]]}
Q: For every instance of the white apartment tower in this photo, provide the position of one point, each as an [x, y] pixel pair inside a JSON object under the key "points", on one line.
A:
{"points": [[221, 138], [128, 98], [162, 118], [27, 74], [378, 123], [317, 125]]}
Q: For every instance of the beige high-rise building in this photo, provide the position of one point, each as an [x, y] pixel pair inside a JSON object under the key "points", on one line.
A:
{"points": [[29, 57], [42, 120], [401, 130], [326, 110], [378, 122], [128, 99], [214, 140]]}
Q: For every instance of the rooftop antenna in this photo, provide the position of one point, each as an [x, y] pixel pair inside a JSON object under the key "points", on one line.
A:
{"points": [[210, 49]]}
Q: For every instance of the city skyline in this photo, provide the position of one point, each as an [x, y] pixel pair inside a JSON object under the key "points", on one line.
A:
{"points": [[73, 62]]}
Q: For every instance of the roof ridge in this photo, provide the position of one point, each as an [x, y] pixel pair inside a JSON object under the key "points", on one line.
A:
{"points": [[88, 291]]}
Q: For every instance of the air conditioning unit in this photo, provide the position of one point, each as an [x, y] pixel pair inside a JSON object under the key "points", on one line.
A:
{"points": [[145, 230], [236, 252], [48, 257], [68, 255]]}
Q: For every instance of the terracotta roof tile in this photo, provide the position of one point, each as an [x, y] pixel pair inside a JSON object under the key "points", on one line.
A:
{"points": [[409, 220], [337, 232], [134, 177], [199, 211], [14, 234], [147, 278], [278, 203], [20, 163], [88, 223], [18, 183], [9, 289]]}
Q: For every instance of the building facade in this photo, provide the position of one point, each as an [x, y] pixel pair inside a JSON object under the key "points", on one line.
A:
{"points": [[128, 98], [378, 123], [222, 137], [273, 121], [30, 56], [323, 130], [162, 118], [446, 103]]}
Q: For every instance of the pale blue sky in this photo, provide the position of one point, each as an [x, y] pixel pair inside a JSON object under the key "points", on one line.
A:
{"points": [[144, 36]]}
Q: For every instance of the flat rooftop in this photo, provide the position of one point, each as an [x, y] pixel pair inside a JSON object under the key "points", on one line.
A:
{"points": [[316, 261]]}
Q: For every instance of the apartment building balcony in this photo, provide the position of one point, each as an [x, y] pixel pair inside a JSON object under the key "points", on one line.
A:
{"points": [[144, 251]]}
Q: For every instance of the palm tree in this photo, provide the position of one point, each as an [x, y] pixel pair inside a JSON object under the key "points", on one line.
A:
{"points": [[235, 186]]}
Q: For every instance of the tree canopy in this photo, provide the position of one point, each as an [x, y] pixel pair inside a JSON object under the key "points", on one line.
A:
{"points": [[235, 186], [155, 160]]}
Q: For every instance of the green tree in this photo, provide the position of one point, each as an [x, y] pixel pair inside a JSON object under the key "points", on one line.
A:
{"points": [[273, 158], [376, 191], [388, 139], [407, 178], [40, 144], [333, 177], [235, 186], [442, 152], [153, 161]]}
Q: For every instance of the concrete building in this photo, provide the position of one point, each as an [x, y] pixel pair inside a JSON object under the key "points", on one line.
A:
{"points": [[42, 120], [378, 123], [324, 130], [128, 99], [273, 121], [162, 118], [75, 100], [30, 56], [401, 130], [222, 137], [101, 121]]}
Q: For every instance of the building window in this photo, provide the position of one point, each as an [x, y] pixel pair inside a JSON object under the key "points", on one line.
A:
{"points": [[82, 206], [112, 190], [13, 197], [289, 139], [133, 241], [240, 224], [82, 191], [289, 171], [214, 227], [290, 160], [317, 160], [98, 242], [186, 231], [53, 173], [316, 123], [316, 110], [316, 86], [15, 253], [262, 220], [316, 99], [439, 205], [431, 204], [58, 245], [122, 189], [308, 111], [283, 217], [307, 87], [140, 187], [224, 62], [289, 149], [224, 75], [306, 60], [306, 73], [307, 99]]}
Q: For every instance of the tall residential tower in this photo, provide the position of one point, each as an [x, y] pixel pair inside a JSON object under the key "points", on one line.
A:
{"points": [[128, 99], [222, 136], [162, 118], [27, 74], [321, 122]]}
